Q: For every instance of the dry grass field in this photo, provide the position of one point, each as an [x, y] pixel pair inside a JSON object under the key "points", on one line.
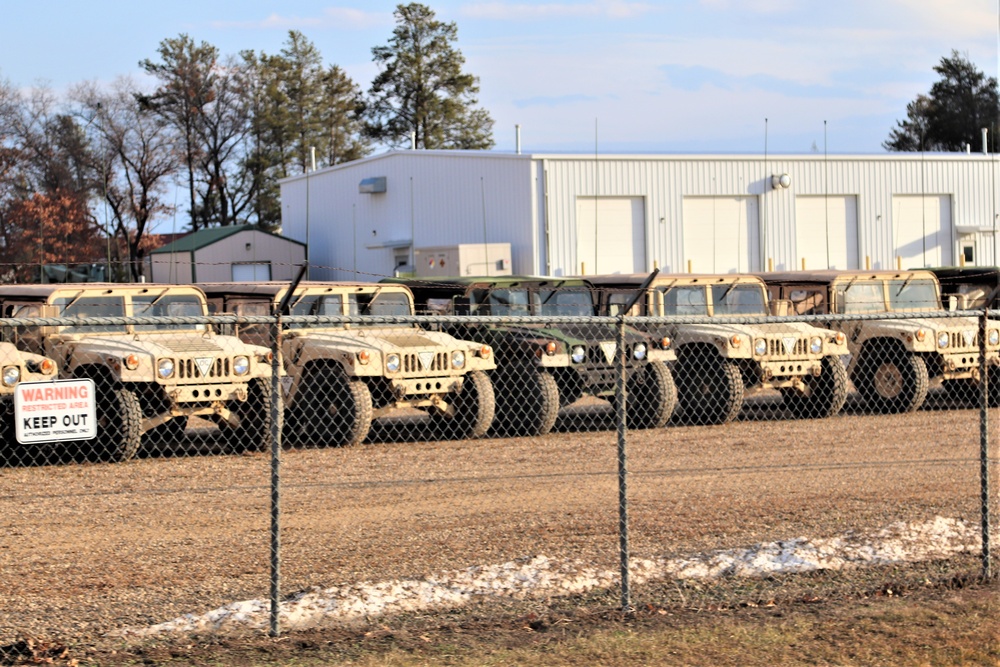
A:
{"points": [[90, 550]]}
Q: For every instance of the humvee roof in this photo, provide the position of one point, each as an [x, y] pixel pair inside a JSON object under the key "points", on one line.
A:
{"points": [[829, 276]]}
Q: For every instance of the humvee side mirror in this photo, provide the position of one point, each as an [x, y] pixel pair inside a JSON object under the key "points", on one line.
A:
{"points": [[780, 307], [956, 302], [463, 305]]}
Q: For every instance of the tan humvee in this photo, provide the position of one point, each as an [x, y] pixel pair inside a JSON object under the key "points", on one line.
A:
{"points": [[894, 361], [341, 376], [149, 378], [16, 367], [718, 363]]}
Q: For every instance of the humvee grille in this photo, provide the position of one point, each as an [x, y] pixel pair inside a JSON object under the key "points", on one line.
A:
{"points": [[187, 369], [432, 362], [958, 340], [776, 347]]}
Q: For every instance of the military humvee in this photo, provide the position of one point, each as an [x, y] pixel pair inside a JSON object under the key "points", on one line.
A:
{"points": [[544, 367], [719, 363], [968, 287], [149, 378], [17, 366], [343, 375], [894, 361]]}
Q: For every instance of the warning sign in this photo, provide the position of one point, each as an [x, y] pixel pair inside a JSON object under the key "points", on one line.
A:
{"points": [[55, 411]]}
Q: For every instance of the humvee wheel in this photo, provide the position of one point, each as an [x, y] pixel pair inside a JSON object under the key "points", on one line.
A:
{"points": [[527, 403], [709, 388], [651, 397], [253, 434], [827, 392], [344, 412], [119, 423], [475, 408], [166, 434], [894, 382], [966, 392]]}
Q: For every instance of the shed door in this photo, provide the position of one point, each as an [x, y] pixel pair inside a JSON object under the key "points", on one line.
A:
{"points": [[248, 273], [826, 232], [921, 230], [721, 234], [610, 235]]}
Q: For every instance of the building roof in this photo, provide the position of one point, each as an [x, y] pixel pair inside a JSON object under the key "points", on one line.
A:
{"points": [[206, 237]]}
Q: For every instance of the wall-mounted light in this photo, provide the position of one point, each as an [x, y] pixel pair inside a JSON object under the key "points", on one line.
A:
{"points": [[248, 247], [781, 181]]}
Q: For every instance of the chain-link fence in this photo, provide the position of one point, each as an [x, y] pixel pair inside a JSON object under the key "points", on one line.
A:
{"points": [[363, 460]]}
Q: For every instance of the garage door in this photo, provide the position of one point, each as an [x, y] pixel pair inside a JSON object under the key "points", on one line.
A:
{"points": [[721, 234], [610, 235], [921, 230], [826, 232]]}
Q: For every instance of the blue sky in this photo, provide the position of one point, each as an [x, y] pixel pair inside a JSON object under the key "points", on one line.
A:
{"points": [[616, 76]]}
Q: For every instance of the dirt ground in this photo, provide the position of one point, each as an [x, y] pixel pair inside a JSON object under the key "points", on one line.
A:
{"points": [[91, 549]]}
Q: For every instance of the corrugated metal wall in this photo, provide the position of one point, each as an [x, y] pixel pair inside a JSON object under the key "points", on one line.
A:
{"points": [[530, 201]]}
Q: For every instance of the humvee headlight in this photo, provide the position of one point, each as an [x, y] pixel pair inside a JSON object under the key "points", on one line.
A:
{"points": [[392, 362], [735, 341], [241, 365], [639, 351], [993, 337], [458, 359], [11, 375], [551, 347], [165, 368], [943, 339], [579, 354], [760, 347], [921, 335], [131, 362], [815, 344], [364, 356]]}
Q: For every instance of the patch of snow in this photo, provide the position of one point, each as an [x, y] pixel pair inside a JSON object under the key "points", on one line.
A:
{"points": [[540, 576]]}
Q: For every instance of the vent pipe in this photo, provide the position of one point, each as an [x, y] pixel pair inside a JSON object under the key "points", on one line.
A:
{"points": [[413, 141], [517, 139], [986, 146]]}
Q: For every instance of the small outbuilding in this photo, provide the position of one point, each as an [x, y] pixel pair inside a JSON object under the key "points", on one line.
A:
{"points": [[240, 253]]}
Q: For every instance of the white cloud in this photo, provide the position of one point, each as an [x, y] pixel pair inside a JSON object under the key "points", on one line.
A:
{"points": [[332, 17], [616, 9]]}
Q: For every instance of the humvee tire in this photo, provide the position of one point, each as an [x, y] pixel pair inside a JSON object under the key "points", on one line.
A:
{"points": [[710, 388], [527, 403], [966, 392], [891, 381], [475, 409], [254, 430], [827, 392], [651, 398], [348, 411], [119, 424]]}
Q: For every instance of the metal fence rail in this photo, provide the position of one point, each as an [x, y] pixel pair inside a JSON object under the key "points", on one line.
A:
{"points": [[514, 455]]}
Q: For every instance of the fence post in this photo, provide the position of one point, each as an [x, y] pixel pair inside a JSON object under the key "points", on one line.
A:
{"points": [[276, 427], [984, 446], [620, 399]]}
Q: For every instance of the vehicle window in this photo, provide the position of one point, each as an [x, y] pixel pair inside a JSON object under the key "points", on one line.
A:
{"points": [[87, 307], [168, 305], [618, 300], [860, 298], [502, 302], [808, 302], [738, 300], [913, 295], [685, 300], [330, 305], [569, 302]]}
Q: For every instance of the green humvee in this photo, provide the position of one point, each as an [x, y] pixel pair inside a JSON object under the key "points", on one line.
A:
{"points": [[547, 366]]}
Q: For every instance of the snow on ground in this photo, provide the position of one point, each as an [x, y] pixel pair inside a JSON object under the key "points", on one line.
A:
{"points": [[539, 576]]}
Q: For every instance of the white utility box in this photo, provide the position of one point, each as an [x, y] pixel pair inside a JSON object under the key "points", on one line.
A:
{"points": [[464, 259]]}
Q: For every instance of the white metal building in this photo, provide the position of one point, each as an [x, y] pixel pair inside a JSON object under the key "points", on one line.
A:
{"points": [[572, 214]]}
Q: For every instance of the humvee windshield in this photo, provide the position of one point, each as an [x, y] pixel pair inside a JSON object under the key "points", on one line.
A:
{"points": [[858, 297], [85, 307], [168, 305], [317, 304], [569, 302], [503, 302], [380, 304], [738, 300], [913, 295], [685, 300]]}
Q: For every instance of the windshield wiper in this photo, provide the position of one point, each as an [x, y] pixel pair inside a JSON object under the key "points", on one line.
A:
{"points": [[905, 283]]}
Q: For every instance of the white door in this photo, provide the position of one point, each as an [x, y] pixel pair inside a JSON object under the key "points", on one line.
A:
{"points": [[921, 230], [610, 235], [826, 232], [251, 272], [721, 234]]}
